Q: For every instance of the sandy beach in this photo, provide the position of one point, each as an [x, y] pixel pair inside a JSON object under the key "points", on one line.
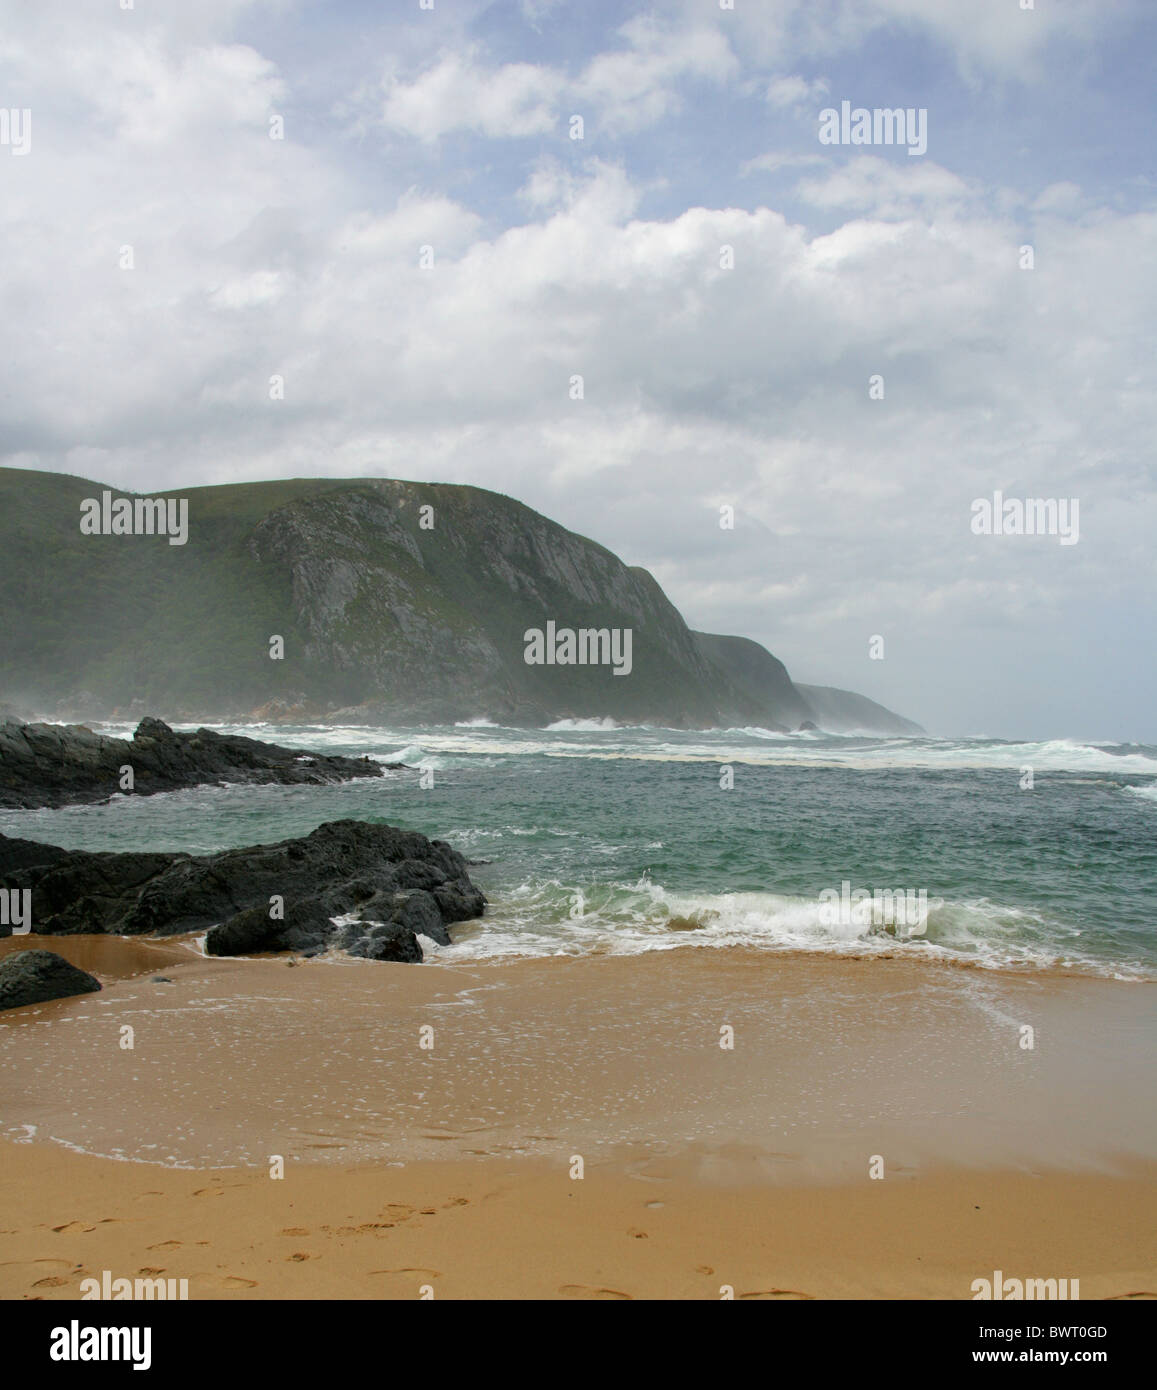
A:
{"points": [[524, 1230], [429, 1121]]}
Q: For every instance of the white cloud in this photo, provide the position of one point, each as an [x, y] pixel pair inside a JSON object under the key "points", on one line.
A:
{"points": [[774, 161], [869, 184], [627, 88], [638, 85], [793, 91], [256, 257], [460, 93]]}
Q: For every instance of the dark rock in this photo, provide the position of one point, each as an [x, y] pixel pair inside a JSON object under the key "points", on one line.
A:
{"points": [[380, 941], [63, 765], [77, 891], [304, 925], [459, 901], [33, 977], [244, 932], [417, 911], [161, 980], [23, 854], [384, 875]]}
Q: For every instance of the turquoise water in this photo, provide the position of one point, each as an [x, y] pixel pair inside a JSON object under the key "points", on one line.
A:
{"points": [[599, 836]]}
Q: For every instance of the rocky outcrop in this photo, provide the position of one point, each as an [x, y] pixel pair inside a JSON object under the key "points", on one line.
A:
{"points": [[34, 977], [390, 886], [62, 765]]}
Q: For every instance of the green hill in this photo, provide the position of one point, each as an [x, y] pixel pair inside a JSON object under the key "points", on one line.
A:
{"points": [[396, 601]]}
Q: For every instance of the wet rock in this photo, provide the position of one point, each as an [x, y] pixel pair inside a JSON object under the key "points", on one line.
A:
{"points": [[276, 897], [68, 764], [380, 941], [34, 977]]}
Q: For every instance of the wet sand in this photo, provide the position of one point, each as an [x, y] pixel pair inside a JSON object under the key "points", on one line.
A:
{"points": [[450, 1165]]}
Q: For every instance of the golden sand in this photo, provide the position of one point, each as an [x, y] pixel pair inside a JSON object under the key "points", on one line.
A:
{"points": [[429, 1121], [488, 1228]]}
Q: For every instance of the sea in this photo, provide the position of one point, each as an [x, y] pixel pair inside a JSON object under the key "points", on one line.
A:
{"points": [[592, 838]]}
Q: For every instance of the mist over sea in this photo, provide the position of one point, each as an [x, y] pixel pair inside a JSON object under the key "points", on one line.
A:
{"points": [[623, 840]]}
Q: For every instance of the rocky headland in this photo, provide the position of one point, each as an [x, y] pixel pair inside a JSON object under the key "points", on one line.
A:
{"points": [[67, 764]]}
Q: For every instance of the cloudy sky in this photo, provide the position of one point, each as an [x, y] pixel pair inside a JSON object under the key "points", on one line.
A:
{"points": [[450, 128]]}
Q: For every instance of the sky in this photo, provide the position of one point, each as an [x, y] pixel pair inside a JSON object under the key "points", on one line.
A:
{"points": [[384, 205]]}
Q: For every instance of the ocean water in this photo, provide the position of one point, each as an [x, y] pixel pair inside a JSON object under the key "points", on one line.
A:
{"points": [[605, 839]]}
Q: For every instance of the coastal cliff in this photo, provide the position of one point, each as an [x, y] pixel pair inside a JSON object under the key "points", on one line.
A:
{"points": [[352, 601]]}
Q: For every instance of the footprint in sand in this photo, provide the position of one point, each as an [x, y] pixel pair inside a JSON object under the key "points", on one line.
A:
{"points": [[457, 1202], [395, 1212], [295, 1231], [590, 1291], [704, 1269], [299, 1255], [149, 1270], [218, 1187], [638, 1235], [777, 1293], [167, 1245], [51, 1281], [225, 1281], [1137, 1293], [410, 1269], [72, 1228]]}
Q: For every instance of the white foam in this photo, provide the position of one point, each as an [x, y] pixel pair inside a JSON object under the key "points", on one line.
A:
{"points": [[631, 919], [590, 725]]}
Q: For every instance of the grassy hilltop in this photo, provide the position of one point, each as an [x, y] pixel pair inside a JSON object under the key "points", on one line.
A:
{"points": [[381, 617]]}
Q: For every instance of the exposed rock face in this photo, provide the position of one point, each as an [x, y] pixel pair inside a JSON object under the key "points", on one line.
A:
{"points": [[34, 977], [398, 602], [760, 678], [61, 765], [384, 877], [428, 625]]}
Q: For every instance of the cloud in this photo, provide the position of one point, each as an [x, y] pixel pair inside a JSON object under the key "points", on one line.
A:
{"points": [[628, 88], [987, 39], [794, 91], [460, 93], [300, 257], [869, 184], [774, 161], [636, 86]]}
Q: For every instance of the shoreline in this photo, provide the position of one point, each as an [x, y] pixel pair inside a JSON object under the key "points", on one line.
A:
{"points": [[182, 948], [449, 1170], [817, 1062]]}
